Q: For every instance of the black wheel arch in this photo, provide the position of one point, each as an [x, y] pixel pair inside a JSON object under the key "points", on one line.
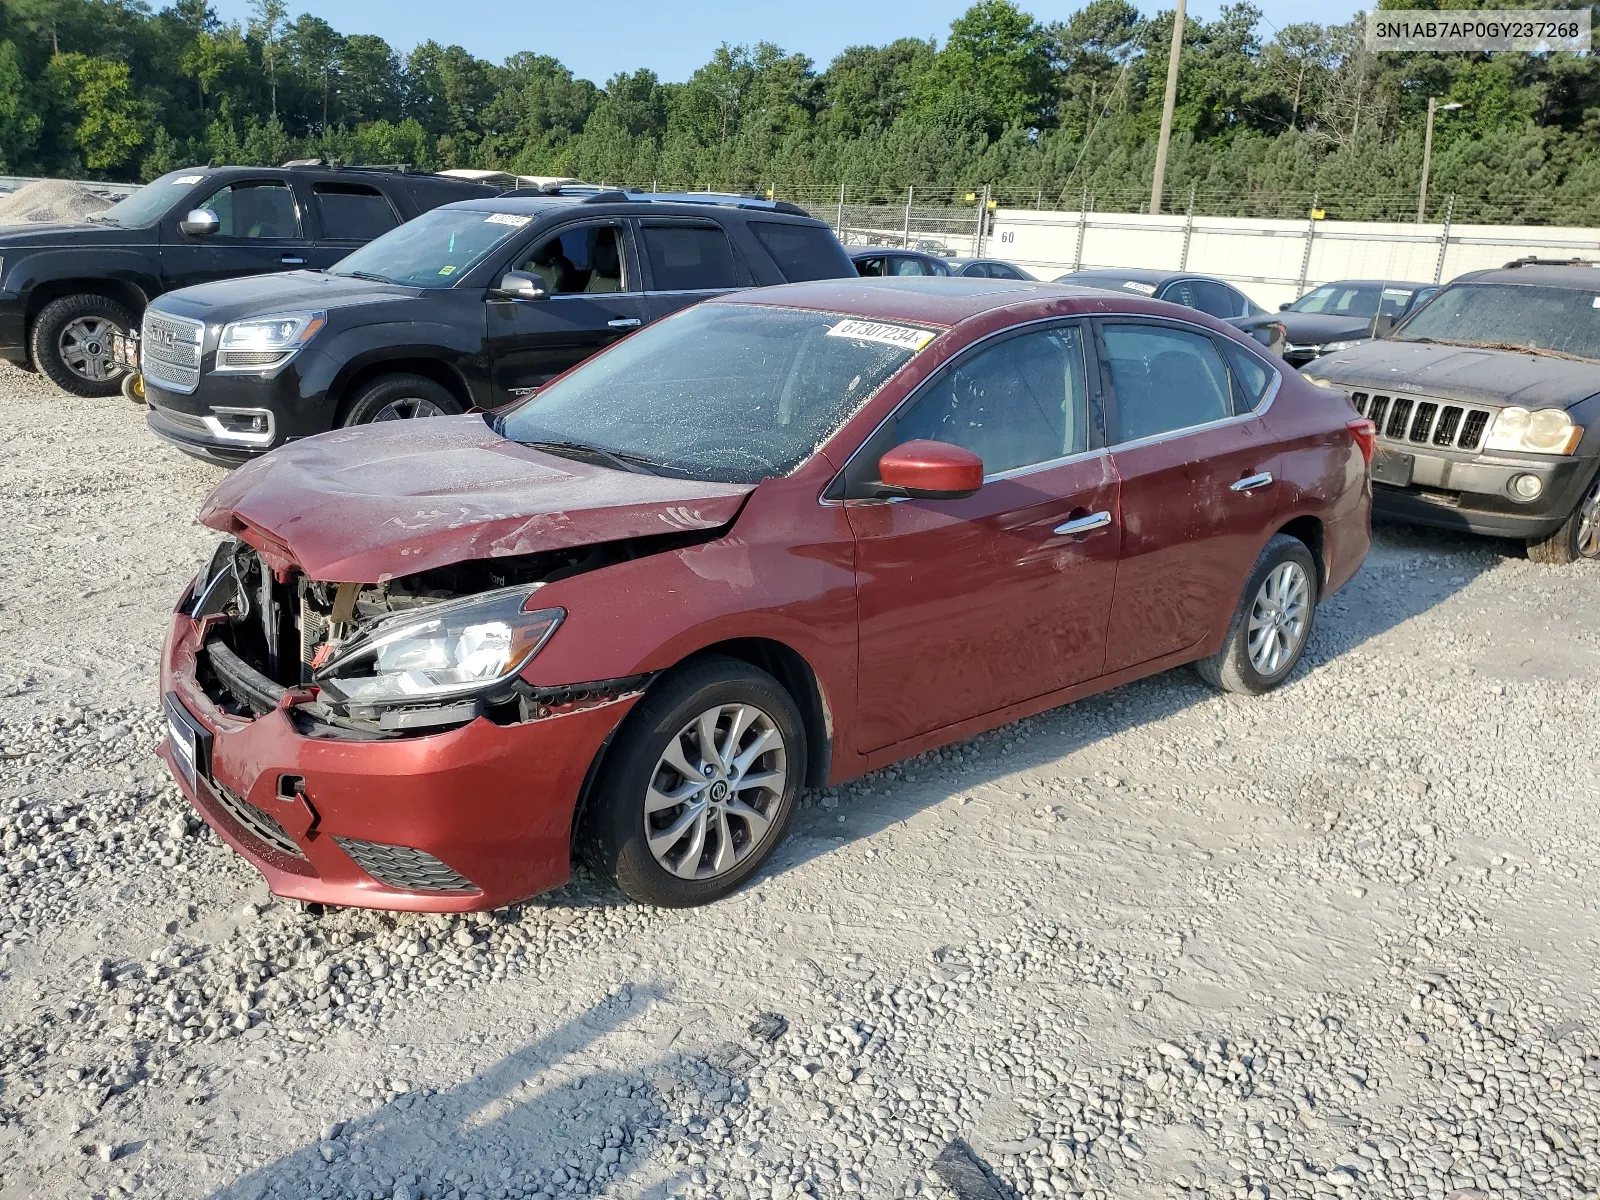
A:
{"points": [[361, 372]]}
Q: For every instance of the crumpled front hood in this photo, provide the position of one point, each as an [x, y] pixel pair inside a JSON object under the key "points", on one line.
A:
{"points": [[370, 504], [1461, 373]]}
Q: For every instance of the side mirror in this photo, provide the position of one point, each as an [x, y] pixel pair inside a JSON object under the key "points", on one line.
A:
{"points": [[1382, 325], [519, 285], [201, 222], [1284, 307], [924, 470]]}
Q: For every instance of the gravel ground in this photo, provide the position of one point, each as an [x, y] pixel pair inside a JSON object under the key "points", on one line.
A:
{"points": [[1336, 942]]}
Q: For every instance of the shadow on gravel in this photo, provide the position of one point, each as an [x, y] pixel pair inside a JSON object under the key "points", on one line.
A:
{"points": [[1409, 571], [513, 1124]]}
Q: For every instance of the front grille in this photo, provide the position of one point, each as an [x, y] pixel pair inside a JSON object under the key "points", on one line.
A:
{"points": [[403, 867], [1424, 422], [170, 349], [245, 359], [262, 826]]}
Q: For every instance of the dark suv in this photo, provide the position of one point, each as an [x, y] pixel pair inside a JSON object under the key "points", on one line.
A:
{"points": [[1487, 407], [472, 304], [65, 290]]}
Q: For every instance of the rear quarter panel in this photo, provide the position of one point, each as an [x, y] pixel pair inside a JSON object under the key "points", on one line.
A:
{"points": [[1323, 474]]}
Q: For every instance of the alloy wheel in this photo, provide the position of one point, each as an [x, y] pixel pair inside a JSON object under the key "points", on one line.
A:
{"points": [[85, 348], [1588, 538], [405, 407], [715, 791], [1279, 618]]}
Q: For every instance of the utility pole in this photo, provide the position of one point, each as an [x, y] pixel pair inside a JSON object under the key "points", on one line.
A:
{"points": [[1166, 110], [1427, 155]]}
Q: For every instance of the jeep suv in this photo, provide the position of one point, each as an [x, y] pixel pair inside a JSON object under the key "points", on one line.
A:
{"points": [[1487, 407], [471, 305]]}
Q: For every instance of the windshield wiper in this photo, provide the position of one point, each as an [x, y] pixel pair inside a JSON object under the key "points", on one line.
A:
{"points": [[619, 459], [368, 276]]}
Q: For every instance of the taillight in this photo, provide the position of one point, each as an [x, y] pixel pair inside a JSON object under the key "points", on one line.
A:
{"points": [[1366, 436]]}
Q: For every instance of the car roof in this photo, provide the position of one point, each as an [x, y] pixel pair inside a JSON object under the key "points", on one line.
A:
{"points": [[1579, 279], [645, 204], [864, 251], [1135, 274], [1388, 283], [925, 299]]}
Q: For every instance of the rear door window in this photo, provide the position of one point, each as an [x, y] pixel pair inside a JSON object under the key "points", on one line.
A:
{"points": [[1164, 379], [353, 212], [691, 258], [802, 252], [1217, 299], [255, 209]]}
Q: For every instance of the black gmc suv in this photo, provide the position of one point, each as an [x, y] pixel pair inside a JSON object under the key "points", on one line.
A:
{"points": [[1487, 407], [66, 289], [472, 304]]}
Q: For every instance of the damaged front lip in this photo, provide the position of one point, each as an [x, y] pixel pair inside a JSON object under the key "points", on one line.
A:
{"points": [[374, 503]]}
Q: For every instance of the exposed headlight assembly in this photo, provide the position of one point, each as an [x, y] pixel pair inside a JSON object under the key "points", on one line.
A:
{"points": [[262, 343], [454, 648], [1547, 431]]}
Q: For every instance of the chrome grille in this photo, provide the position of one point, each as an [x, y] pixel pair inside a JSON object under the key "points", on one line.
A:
{"points": [[1424, 422], [262, 826], [403, 867], [170, 349]]}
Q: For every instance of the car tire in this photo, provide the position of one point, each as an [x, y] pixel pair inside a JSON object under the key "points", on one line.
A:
{"points": [[1578, 539], [133, 387], [70, 343], [716, 816], [1272, 626], [398, 397]]}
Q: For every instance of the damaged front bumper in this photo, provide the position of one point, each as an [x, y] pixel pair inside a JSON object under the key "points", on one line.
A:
{"points": [[472, 817]]}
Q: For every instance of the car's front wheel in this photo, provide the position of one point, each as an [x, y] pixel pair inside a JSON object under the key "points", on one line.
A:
{"points": [[698, 787], [399, 398], [1273, 623], [71, 343], [1579, 535]]}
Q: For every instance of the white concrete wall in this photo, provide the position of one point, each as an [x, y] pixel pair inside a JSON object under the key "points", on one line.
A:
{"points": [[1266, 259]]}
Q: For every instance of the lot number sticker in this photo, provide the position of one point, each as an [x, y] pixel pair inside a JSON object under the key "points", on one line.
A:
{"points": [[891, 335], [506, 219]]}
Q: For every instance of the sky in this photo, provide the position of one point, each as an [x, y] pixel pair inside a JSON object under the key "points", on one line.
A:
{"points": [[599, 38]]}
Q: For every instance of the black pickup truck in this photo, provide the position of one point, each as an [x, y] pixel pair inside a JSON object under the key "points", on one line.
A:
{"points": [[66, 289]]}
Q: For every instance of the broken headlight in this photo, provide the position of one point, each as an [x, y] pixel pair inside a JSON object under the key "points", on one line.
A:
{"points": [[217, 585], [454, 648]]}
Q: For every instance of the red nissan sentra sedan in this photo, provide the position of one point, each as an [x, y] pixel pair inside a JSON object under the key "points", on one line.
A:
{"points": [[778, 540]]}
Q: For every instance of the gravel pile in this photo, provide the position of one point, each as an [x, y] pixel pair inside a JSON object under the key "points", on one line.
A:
{"points": [[47, 201], [1334, 943]]}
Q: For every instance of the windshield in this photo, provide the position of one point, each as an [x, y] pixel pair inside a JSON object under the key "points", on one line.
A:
{"points": [[147, 205], [434, 250], [1347, 300], [1518, 316], [733, 393]]}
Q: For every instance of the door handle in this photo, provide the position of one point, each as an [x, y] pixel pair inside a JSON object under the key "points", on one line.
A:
{"points": [[1093, 521], [625, 323], [292, 261], [1251, 482]]}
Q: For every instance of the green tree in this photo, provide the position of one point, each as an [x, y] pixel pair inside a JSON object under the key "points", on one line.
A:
{"points": [[110, 123]]}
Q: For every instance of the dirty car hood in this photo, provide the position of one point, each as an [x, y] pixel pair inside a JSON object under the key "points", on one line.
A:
{"points": [[1462, 373], [369, 504]]}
